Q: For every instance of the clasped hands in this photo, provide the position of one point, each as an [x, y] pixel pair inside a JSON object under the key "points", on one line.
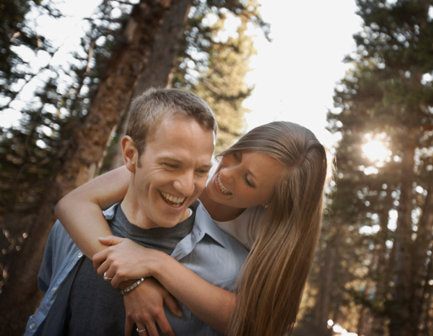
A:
{"points": [[125, 261]]}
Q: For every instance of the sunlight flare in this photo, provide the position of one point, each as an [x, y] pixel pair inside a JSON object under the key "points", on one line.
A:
{"points": [[376, 150]]}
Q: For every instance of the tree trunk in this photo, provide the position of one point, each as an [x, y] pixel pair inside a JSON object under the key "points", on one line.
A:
{"points": [[132, 57], [426, 325], [420, 259], [322, 304], [364, 322], [165, 50], [381, 274], [399, 307]]}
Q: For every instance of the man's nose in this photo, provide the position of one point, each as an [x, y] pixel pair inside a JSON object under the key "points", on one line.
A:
{"points": [[184, 184]]}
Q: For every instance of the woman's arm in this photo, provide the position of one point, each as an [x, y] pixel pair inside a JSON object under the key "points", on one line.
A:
{"points": [[80, 210], [125, 260], [213, 305]]}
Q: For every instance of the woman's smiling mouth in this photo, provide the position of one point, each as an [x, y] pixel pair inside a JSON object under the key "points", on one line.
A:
{"points": [[221, 186]]}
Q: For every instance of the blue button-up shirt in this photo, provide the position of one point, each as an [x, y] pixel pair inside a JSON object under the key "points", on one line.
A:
{"points": [[207, 250]]}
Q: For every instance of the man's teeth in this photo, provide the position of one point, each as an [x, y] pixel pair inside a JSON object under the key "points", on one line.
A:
{"points": [[173, 199], [221, 186]]}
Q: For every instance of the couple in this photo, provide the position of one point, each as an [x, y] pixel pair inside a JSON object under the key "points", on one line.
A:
{"points": [[261, 210]]}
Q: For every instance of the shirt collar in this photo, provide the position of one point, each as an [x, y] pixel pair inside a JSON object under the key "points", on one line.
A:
{"points": [[203, 225]]}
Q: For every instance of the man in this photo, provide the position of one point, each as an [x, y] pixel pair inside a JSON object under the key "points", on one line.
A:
{"points": [[167, 149]]}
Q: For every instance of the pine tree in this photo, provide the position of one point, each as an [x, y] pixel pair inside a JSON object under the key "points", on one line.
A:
{"points": [[62, 141], [82, 156], [222, 84], [214, 65], [388, 93]]}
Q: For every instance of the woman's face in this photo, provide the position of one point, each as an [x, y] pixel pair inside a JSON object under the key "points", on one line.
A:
{"points": [[245, 179]]}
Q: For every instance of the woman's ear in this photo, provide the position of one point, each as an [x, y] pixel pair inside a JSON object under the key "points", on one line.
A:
{"points": [[130, 153]]}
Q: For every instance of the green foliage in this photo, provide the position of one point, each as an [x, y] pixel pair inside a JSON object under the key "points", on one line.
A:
{"points": [[387, 92], [32, 153], [18, 31], [214, 66]]}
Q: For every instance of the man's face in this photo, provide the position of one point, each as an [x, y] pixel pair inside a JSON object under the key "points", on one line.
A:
{"points": [[172, 172]]}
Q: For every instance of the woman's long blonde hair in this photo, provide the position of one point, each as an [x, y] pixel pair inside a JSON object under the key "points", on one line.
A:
{"points": [[274, 275]]}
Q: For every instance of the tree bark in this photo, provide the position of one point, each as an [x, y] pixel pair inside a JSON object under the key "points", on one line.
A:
{"points": [[400, 305], [132, 57], [420, 261], [426, 319], [381, 274], [165, 50], [322, 306]]}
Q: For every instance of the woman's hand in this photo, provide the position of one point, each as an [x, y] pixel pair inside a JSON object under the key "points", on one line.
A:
{"points": [[144, 307], [124, 260]]}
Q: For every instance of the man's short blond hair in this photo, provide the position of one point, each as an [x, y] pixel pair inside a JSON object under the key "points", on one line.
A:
{"points": [[147, 111]]}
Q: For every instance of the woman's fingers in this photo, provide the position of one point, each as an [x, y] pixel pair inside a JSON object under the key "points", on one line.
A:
{"points": [[99, 258], [117, 280], [110, 240]]}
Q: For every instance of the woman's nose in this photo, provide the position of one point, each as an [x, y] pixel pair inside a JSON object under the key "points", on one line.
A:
{"points": [[228, 174]]}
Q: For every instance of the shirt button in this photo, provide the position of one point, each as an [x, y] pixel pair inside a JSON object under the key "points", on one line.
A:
{"points": [[32, 326], [80, 255], [54, 289]]}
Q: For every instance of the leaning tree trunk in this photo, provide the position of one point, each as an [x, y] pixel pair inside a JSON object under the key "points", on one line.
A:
{"points": [[131, 58], [399, 307], [165, 50]]}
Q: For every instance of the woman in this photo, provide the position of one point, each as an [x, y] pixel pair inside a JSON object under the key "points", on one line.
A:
{"points": [[281, 228]]}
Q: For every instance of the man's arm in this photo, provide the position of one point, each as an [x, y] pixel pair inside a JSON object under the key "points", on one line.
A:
{"points": [[127, 260]]}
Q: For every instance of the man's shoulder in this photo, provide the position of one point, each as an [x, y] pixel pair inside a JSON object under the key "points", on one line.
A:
{"points": [[58, 235], [60, 246], [211, 253]]}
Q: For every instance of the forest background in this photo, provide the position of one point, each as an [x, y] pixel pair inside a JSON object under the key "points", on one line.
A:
{"points": [[373, 273]]}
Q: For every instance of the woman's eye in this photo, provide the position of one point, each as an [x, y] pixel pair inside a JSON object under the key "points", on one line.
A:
{"points": [[237, 155], [251, 184]]}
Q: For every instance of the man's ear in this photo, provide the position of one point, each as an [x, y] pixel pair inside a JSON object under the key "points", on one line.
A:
{"points": [[130, 153]]}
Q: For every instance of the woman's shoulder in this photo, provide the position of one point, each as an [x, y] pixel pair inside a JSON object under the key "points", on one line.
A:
{"points": [[245, 227]]}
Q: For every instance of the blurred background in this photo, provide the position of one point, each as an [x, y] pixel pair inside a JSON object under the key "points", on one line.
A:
{"points": [[357, 73]]}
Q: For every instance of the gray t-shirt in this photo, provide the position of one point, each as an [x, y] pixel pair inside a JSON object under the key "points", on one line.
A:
{"points": [[95, 307]]}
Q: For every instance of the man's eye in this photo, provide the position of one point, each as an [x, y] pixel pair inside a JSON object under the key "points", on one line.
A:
{"points": [[202, 171], [170, 165]]}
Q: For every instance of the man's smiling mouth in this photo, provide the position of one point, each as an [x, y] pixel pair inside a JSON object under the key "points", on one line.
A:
{"points": [[173, 200]]}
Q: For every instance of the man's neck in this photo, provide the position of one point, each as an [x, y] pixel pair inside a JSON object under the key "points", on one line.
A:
{"points": [[133, 212]]}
